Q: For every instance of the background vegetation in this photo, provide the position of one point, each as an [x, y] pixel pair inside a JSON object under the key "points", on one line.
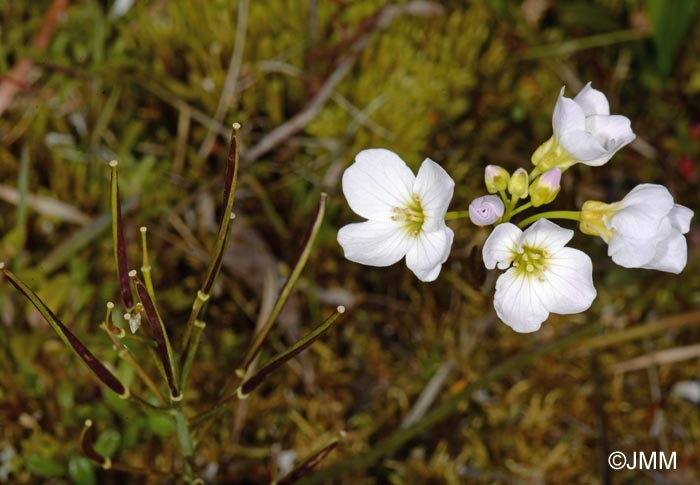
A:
{"points": [[465, 83]]}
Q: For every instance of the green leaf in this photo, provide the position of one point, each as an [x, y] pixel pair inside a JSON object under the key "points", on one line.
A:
{"points": [[670, 23], [108, 442], [161, 424], [81, 471], [44, 466]]}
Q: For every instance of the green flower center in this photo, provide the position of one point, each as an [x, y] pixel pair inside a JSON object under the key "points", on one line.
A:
{"points": [[412, 216], [531, 262]]}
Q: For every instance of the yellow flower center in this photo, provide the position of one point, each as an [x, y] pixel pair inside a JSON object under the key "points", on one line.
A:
{"points": [[530, 262], [412, 216]]}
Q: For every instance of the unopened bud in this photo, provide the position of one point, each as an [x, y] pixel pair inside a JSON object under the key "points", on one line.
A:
{"points": [[518, 183], [545, 187], [496, 178], [486, 210]]}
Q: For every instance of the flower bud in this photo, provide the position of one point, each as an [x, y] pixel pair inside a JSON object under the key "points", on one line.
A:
{"points": [[518, 183], [545, 187], [496, 178], [486, 210]]}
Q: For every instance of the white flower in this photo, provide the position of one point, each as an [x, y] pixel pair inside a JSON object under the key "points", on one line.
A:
{"points": [[406, 213], [643, 230], [544, 276], [486, 210], [584, 131]]}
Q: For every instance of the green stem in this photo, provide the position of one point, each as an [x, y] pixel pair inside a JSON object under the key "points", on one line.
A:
{"points": [[222, 237], [260, 337], [127, 357], [571, 215], [275, 362], [510, 205], [452, 215], [198, 328], [448, 408], [183, 438], [521, 208], [146, 265]]}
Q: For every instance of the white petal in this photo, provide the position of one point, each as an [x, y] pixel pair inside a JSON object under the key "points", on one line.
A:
{"points": [[435, 188], [374, 243], [642, 211], [592, 101], [567, 116], [517, 304], [612, 132], [671, 254], [546, 235], [428, 251], [630, 252], [501, 244], [680, 217], [584, 147], [568, 282], [377, 182]]}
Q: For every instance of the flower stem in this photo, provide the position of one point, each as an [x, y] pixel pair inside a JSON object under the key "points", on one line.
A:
{"points": [[521, 208], [185, 441], [198, 328], [146, 265], [452, 215], [510, 205], [571, 215], [124, 354]]}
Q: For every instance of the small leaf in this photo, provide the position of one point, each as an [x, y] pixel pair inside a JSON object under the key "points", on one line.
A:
{"points": [[108, 442], [81, 471], [161, 425], [44, 466]]}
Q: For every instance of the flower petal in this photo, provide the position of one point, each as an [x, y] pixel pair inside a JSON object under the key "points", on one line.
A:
{"points": [[671, 254], [377, 182], [642, 211], [592, 101], [568, 282], [435, 188], [631, 252], [612, 132], [680, 217], [517, 304], [428, 251], [584, 147], [500, 245], [374, 243], [546, 235], [568, 116]]}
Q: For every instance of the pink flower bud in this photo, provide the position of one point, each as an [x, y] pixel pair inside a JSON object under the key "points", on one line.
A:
{"points": [[545, 187], [486, 210]]}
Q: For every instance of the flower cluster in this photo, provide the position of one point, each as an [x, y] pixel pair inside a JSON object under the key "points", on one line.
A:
{"points": [[406, 217]]}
